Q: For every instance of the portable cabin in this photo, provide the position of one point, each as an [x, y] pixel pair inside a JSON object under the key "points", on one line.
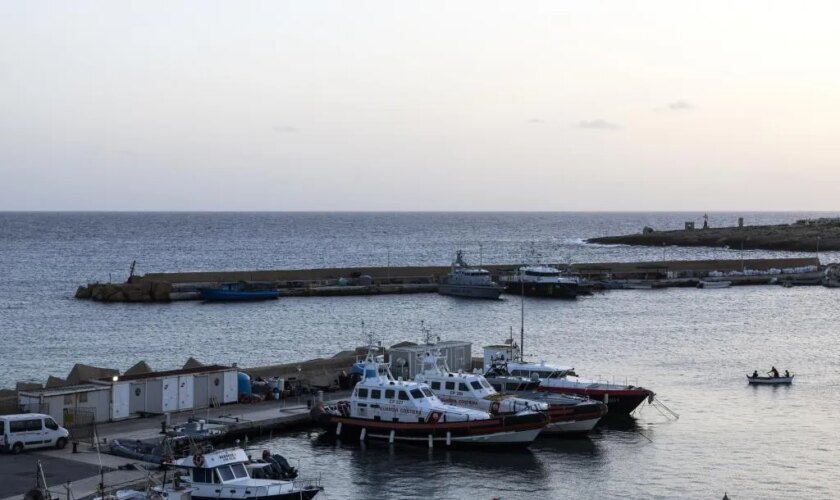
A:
{"points": [[407, 360], [174, 390], [64, 403]]}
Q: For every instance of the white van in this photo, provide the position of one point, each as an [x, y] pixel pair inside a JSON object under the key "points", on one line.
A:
{"points": [[30, 430]]}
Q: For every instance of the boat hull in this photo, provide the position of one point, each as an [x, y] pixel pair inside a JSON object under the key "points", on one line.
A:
{"points": [[471, 291], [551, 290], [770, 380], [501, 431], [619, 401], [213, 295], [304, 494]]}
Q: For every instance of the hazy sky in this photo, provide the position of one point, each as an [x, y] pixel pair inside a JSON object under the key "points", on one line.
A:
{"points": [[424, 105]]}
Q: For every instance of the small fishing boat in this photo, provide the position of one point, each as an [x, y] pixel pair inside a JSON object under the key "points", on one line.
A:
{"points": [[233, 292], [395, 410], [770, 380], [714, 284], [224, 474], [466, 281]]}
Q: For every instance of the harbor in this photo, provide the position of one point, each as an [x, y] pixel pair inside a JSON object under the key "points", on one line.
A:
{"points": [[650, 327], [354, 281]]}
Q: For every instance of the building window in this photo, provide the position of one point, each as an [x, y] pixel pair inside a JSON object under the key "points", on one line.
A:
{"points": [[68, 399], [83, 397]]}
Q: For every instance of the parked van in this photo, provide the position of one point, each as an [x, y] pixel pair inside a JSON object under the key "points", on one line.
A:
{"points": [[30, 430]]}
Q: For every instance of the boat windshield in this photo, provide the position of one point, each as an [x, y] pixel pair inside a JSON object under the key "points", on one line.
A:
{"points": [[544, 274], [239, 471], [417, 394], [427, 392]]}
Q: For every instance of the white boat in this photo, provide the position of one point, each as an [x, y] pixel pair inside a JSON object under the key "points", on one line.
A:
{"points": [[469, 390], [540, 281], [714, 284], [395, 410], [466, 281], [770, 380], [621, 399], [223, 474], [570, 415]]}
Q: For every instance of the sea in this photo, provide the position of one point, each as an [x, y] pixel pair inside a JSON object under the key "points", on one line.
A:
{"points": [[692, 347]]}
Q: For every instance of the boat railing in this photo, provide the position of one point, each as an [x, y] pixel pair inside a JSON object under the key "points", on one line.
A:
{"points": [[308, 483]]}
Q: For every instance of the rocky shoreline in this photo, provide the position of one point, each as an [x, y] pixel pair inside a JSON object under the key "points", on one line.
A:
{"points": [[811, 235]]}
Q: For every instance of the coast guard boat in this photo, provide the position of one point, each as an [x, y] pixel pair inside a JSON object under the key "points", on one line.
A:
{"points": [[541, 281], [223, 474], [621, 399], [568, 414], [466, 281], [396, 410]]}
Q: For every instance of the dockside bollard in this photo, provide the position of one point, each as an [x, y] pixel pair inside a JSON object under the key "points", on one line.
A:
{"points": [[75, 447]]}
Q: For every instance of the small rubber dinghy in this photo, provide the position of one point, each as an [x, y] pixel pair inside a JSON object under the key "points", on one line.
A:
{"points": [[770, 380]]}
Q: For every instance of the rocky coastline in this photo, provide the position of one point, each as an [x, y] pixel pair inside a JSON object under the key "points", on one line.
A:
{"points": [[809, 235]]}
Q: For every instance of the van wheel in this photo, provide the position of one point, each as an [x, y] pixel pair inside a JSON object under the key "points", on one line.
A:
{"points": [[17, 448], [61, 443]]}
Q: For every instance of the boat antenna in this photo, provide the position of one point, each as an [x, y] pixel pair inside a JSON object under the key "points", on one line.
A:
{"points": [[522, 315], [427, 333]]}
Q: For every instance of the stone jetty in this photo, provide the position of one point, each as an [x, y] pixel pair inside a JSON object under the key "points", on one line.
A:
{"points": [[809, 235], [164, 287]]}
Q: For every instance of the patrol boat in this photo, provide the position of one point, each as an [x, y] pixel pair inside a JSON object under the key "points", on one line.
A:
{"points": [[466, 281], [395, 410], [223, 474], [621, 399], [570, 415], [469, 390]]}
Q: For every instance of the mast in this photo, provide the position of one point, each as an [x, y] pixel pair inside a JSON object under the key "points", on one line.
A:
{"points": [[522, 315]]}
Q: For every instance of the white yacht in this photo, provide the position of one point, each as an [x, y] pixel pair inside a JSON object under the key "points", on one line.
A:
{"points": [[223, 474], [540, 281], [389, 409], [466, 281]]}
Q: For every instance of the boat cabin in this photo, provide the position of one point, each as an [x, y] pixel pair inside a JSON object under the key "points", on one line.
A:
{"points": [[378, 396]]}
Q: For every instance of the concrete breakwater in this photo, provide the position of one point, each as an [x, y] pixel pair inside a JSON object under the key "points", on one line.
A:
{"points": [[163, 287], [802, 236]]}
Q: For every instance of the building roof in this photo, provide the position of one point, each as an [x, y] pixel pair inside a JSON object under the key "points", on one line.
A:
{"points": [[61, 391], [171, 373]]}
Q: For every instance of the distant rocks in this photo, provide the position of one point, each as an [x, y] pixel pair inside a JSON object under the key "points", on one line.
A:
{"points": [[140, 291], [808, 235]]}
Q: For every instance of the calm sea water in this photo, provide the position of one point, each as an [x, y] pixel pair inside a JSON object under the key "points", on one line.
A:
{"points": [[693, 347]]}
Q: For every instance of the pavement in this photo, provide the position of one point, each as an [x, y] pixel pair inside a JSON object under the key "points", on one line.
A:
{"points": [[81, 470]]}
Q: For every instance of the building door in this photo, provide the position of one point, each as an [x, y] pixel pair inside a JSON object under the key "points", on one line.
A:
{"points": [[120, 397]]}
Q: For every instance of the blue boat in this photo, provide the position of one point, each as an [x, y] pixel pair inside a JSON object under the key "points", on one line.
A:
{"points": [[230, 292]]}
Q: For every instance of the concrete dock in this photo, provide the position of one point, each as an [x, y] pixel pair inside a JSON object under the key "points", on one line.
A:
{"points": [[163, 287], [246, 422]]}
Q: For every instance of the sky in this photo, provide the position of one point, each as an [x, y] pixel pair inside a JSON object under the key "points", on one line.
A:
{"points": [[419, 105]]}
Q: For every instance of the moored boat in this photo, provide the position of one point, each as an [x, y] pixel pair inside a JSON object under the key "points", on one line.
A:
{"points": [[223, 474], [714, 284], [540, 281], [383, 408], [234, 292], [621, 399], [570, 415], [466, 281]]}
